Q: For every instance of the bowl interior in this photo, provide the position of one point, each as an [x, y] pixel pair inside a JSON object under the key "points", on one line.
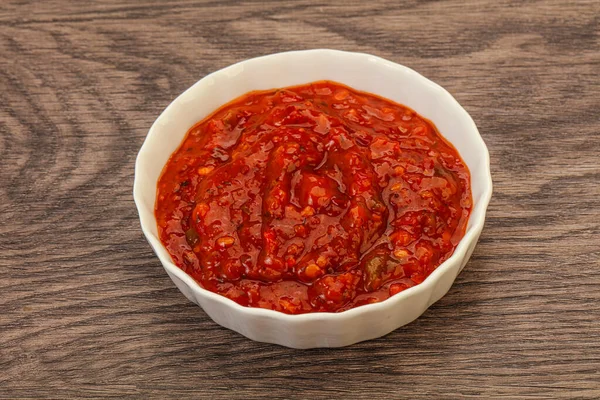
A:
{"points": [[360, 71]]}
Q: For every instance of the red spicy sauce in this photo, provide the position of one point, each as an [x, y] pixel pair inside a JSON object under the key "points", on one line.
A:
{"points": [[312, 198]]}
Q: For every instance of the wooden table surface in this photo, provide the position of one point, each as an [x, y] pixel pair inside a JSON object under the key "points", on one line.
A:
{"points": [[86, 310]]}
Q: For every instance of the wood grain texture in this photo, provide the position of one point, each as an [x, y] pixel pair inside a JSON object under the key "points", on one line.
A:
{"points": [[86, 310]]}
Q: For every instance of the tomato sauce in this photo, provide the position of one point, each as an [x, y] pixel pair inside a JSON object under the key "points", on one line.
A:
{"points": [[312, 198]]}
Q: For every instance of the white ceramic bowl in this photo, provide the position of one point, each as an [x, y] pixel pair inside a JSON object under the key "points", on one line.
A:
{"points": [[360, 71]]}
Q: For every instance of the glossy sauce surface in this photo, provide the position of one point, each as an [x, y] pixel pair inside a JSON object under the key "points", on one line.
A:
{"points": [[312, 198]]}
